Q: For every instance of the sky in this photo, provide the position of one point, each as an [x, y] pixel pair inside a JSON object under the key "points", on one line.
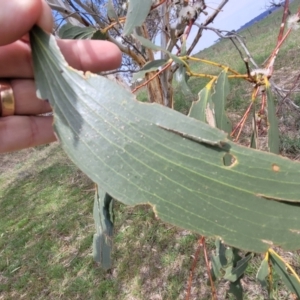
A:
{"points": [[235, 14]]}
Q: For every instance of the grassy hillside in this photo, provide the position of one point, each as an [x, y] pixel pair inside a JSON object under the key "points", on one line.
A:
{"points": [[260, 39], [46, 224]]}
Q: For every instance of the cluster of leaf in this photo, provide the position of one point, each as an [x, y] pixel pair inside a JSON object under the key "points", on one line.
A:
{"points": [[229, 265]]}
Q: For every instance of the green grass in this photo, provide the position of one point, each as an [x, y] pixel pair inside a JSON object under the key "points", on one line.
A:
{"points": [[46, 230]]}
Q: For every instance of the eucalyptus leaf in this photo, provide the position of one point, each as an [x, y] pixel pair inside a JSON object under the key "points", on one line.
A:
{"points": [[202, 109], [216, 260], [103, 217], [146, 153], [236, 289], [254, 135], [225, 254], [150, 45], [99, 35], [182, 82], [111, 13], [263, 272], [216, 267], [136, 15], [234, 273], [291, 281], [69, 31], [219, 99]]}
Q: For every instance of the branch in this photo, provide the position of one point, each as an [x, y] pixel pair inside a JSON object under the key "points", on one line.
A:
{"points": [[68, 13], [283, 21], [140, 60], [232, 36], [126, 40], [91, 12], [88, 21], [150, 79], [209, 20], [285, 97]]}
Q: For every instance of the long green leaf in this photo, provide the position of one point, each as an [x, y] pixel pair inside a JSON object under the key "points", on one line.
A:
{"points": [[202, 109], [273, 130], [103, 217], [216, 267], [137, 12], [219, 100], [254, 135], [263, 272], [182, 82], [221, 259], [111, 11], [147, 153], [290, 280], [236, 289], [234, 273], [69, 31]]}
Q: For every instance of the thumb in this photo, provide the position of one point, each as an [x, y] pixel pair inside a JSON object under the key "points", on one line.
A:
{"points": [[17, 17]]}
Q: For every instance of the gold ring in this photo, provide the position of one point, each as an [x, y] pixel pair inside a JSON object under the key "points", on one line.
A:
{"points": [[7, 99]]}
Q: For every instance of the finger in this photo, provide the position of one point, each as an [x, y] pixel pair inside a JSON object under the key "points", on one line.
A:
{"points": [[19, 132], [85, 55], [91, 55], [17, 17], [26, 102]]}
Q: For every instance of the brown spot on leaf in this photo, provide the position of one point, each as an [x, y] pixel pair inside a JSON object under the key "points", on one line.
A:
{"points": [[275, 168], [295, 231], [229, 160]]}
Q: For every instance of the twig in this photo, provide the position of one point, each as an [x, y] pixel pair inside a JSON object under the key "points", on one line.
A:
{"points": [[196, 257], [201, 75], [90, 11], [210, 63], [247, 67], [159, 72], [242, 122], [273, 56], [68, 13], [110, 26], [209, 20], [232, 36], [104, 73], [213, 289], [158, 4], [285, 97], [284, 17]]}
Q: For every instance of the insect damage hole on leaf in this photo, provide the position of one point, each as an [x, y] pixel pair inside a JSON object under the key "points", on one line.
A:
{"points": [[229, 160]]}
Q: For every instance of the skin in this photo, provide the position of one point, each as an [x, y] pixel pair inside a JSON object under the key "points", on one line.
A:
{"points": [[27, 129]]}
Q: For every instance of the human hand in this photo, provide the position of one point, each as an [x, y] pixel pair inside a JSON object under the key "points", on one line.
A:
{"points": [[25, 128]]}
